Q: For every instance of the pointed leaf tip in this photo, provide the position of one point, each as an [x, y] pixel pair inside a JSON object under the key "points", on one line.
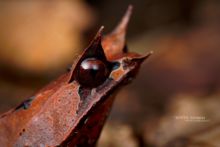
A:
{"points": [[130, 7], [125, 19], [147, 55], [99, 33], [101, 30], [140, 59], [114, 43]]}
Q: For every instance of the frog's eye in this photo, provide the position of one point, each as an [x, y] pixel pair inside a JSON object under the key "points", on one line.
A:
{"points": [[92, 72], [92, 68]]}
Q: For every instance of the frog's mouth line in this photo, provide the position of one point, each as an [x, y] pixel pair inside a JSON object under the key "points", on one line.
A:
{"points": [[116, 85]]}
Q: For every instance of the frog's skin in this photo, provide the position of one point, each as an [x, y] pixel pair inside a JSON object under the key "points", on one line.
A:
{"points": [[67, 113]]}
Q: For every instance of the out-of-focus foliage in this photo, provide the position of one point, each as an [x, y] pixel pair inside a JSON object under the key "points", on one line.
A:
{"points": [[124, 138], [38, 36]]}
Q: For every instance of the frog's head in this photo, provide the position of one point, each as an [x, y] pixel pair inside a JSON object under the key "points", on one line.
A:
{"points": [[104, 66]]}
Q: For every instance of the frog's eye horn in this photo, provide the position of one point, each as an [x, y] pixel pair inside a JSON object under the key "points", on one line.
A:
{"points": [[92, 72], [92, 68]]}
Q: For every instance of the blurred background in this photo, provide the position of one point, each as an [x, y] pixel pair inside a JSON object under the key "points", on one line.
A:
{"points": [[175, 98]]}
